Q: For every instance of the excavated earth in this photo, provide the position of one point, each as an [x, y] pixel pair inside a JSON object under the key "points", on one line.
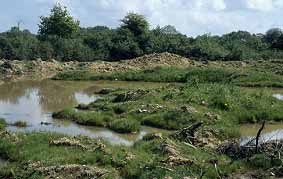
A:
{"points": [[39, 69]]}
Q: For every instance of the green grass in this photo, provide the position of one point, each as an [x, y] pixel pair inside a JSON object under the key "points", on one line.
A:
{"points": [[85, 118], [143, 160], [248, 77], [220, 106], [213, 95], [2, 124], [125, 126], [100, 119], [171, 120], [160, 74]]}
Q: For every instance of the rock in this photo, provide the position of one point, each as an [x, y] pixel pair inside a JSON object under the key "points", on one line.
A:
{"points": [[188, 109], [150, 108]]}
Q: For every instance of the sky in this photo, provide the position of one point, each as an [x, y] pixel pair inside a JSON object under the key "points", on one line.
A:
{"points": [[191, 17]]}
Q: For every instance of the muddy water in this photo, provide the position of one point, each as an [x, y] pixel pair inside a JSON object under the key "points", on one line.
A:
{"points": [[34, 102], [270, 132]]}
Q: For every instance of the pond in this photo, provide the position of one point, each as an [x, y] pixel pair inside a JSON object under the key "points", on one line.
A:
{"points": [[34, 102]]}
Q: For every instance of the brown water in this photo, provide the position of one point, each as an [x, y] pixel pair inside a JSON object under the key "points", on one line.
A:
{"points": [[270, 132], [34, 102]]}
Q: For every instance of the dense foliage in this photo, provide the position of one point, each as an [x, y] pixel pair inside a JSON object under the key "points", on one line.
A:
{"points": [[61, 38], [59, 23]]}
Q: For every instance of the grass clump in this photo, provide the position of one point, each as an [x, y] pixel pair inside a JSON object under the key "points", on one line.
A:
{"points": [[207, 74], [20, 124], [125, 126], [84, 118], [171, 120], [2, 124], [100, 119]]}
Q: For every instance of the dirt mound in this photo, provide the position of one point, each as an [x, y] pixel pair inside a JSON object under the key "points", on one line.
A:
{"points": [[37, 69], [158, 59], [143, 62], [109, 67], [44, 69]]}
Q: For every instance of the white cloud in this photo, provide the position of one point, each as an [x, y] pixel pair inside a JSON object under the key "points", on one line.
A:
{"points": [[192, 17], [262, 5]]}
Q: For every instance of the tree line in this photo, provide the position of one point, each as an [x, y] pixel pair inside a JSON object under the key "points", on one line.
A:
{"points": [[60, 37]]}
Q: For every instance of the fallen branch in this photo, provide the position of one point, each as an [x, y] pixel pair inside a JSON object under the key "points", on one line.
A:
{"points": [[258, 136]]}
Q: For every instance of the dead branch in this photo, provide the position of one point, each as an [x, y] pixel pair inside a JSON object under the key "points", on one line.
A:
{"points": [[258, 136]]}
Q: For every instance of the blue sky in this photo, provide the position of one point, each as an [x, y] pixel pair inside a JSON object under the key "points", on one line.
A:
{"points": [[192, 17]]}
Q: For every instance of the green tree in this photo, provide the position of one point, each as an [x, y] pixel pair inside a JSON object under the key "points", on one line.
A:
{"points": [[169, 29], [99, 39], [59, 23], [125, 45], [6, 49], [272, 35], [136, 23]]}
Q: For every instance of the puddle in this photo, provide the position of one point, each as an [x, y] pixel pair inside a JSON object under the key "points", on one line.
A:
{"points": [[278, 96], [34, 103], [270, 132]]}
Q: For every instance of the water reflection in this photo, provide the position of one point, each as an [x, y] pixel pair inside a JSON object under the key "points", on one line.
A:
{"points": [[270, 132], [278, 96], [34, 102]]}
